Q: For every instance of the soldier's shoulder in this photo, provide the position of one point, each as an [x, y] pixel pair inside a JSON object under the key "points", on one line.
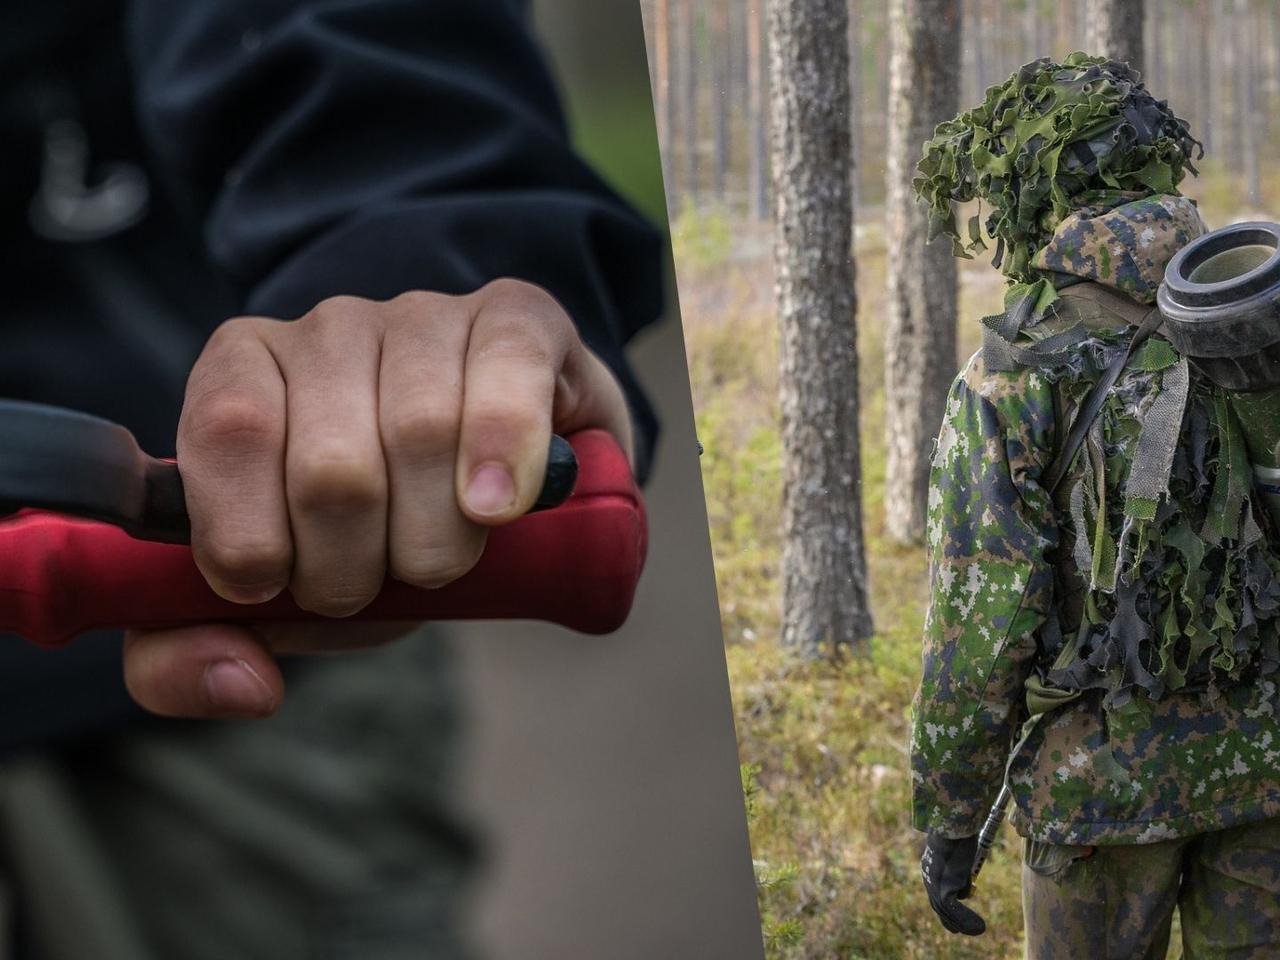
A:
{"points": [[1002, 387]]}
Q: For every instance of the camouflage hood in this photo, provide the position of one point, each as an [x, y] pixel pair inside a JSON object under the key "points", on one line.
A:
{"points": [[1126, 247]]}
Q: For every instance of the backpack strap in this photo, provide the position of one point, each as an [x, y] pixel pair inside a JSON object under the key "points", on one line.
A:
{"points": [[1149, 322]]}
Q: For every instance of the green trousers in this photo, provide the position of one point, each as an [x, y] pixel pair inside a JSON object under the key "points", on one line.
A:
{"points": [[324, 833], [1117, 902]]}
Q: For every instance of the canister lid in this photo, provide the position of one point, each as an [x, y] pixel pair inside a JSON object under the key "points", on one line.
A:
{"points": [[1221, 292]]}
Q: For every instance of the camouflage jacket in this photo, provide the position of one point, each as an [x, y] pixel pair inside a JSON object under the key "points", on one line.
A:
{"points": [[1110, 649]]}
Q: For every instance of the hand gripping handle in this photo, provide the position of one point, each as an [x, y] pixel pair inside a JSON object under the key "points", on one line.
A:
{"points": [[576, 565]]}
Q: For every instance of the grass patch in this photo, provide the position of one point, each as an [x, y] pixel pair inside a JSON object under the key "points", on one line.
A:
{"points": [[700, 236]]}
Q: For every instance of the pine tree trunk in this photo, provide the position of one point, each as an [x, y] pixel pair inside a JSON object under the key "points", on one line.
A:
{"points": [[920, 339], [1044, 32], [1246, 100], [720, 72], [1030, 24], [978, 25], [757, 65], [1155, 71], [663, 100], [824, 569], [1204, 84], [1115, 30], [855, 104], [988, 51], [1223, 84], [1064, 31], [1267, 39], [690, 70], [878, 96], [742, 90]]}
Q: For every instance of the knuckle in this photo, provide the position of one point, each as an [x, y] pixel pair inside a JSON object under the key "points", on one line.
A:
{"points": [[510, 288], [422, 428], [435, 566], [338, 309], [415, 301], [319, 482], [235, 329], [495, 418], [230, 418], [512, 338], [525, 299], [245, 561]]}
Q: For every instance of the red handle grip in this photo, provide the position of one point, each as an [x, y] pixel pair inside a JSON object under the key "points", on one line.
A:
{"points": [[576, 565]]}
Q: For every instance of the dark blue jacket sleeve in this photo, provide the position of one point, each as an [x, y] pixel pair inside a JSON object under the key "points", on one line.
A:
{"points": [[369, 147], [361, 147]]}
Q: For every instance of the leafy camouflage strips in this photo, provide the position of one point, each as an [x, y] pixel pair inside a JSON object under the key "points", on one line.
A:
{"points": [[1038, 146]]}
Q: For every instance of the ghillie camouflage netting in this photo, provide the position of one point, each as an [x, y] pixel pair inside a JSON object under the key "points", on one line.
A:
{"points": [[1053, 138]]}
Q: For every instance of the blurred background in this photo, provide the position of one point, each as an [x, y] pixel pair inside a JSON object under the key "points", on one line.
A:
{"points": [[1216, 61], [825, 739], [602, 770]]}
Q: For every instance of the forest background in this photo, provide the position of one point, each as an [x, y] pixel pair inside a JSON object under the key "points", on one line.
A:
{"points": [[824, 741]]}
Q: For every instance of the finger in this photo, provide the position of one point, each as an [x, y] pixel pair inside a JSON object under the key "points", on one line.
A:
{"points": [[958, 918], [205, 671], [335, 477], [519, 340], [230, 444], [430, 542]]}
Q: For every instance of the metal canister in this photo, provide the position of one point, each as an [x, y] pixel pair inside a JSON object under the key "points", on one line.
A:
{"points": [[1221, 303]]}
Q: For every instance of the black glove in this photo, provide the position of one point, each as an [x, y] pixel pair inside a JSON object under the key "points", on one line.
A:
{"points": [[947, 866]]}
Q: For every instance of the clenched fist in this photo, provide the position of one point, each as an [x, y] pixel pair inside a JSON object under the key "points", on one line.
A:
{"points": [[365, 439]]}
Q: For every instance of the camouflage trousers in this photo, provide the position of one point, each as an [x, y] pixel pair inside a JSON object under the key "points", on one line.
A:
{"points": [[1117, 902], [328, 832]]}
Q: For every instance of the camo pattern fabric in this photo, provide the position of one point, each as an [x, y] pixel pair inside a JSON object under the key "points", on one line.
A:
{"points": [[1126, 248], [1117, 902], [1136, 629], [989, 527]]}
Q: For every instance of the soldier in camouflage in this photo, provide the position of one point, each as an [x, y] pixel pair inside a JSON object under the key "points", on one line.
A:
{"points": [[1103, 634]]}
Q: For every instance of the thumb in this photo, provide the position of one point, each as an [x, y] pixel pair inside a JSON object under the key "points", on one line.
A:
{"points": [[202, 671]]}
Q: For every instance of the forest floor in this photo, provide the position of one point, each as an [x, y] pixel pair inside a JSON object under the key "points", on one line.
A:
{"points": [[824, 744]]}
